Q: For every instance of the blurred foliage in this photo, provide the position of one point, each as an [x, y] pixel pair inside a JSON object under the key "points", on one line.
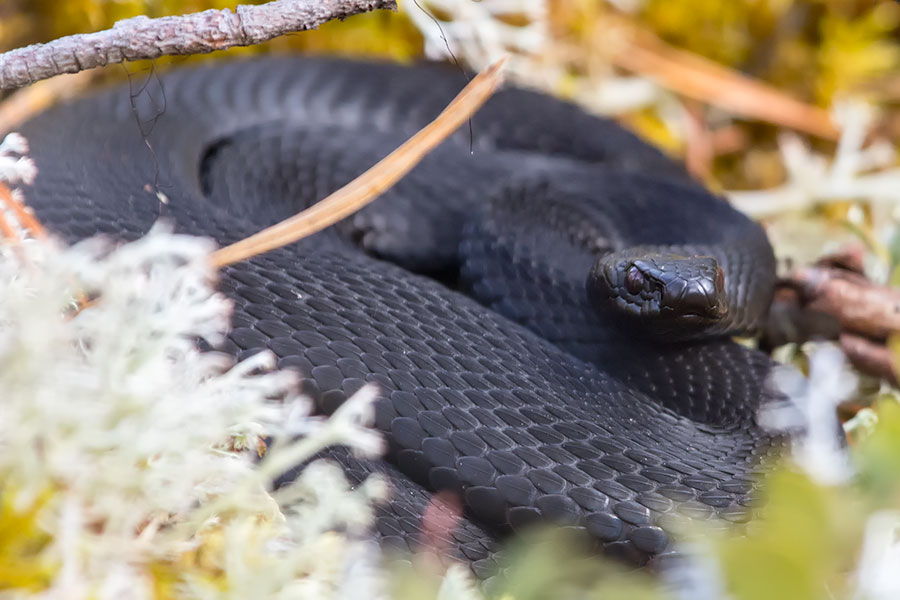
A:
{"points": [[800, 545], [814, 50]]}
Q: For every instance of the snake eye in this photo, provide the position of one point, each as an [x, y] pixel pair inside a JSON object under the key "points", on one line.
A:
{"points": [[634, 280]]}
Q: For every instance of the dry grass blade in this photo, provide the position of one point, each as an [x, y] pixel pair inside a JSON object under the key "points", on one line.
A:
{"points": [[374, 181], [699, 78]]}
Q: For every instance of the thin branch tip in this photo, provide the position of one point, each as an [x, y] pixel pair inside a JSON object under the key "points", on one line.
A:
{"points": [[198, 33]]}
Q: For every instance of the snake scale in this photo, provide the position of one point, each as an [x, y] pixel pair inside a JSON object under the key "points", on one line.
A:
{"points": [[513, 297]]}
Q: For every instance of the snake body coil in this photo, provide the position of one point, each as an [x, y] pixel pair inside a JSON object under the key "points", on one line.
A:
{"points": [[461, 292]]}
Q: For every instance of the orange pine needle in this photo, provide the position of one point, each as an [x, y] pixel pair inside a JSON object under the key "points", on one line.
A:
{"points": [[23, 217], [27, 219], [374, 181], [7, 231]]}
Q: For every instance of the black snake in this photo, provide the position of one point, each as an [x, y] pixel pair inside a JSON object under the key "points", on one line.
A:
{"points": [[462, 292]]}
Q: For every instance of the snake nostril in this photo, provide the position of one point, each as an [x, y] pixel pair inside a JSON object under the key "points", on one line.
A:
{"points": [[703, 298]]}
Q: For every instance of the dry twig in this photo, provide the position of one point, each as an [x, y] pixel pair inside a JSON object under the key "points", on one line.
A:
{"points": [[699, 150], [866, 313], [869, 357], [199, 33], [860, 305]]}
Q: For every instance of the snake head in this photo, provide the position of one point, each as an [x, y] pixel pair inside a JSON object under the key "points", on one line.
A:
{"points": [[667, 294]]}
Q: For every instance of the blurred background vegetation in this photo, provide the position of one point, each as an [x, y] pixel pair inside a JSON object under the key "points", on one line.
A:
{"points": [[816, 51], [746, 93]]}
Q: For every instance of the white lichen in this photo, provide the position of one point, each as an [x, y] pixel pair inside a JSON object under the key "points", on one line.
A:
{"points": [[479, 33], [138, 451], [15, 167], [808, 413], [855, 172], [476, 32]]}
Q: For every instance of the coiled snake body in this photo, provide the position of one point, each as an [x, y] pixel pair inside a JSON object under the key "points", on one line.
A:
{"points": [[461, 292]]}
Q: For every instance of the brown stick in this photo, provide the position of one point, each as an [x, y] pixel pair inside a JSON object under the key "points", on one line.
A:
{"points": [[860, 305], [373, 182], [869, 357], [199, 33]]}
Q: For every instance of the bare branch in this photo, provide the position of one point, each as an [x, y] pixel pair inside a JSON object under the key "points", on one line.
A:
{"points": [[860, 305], [199, 33], [869, 357]]}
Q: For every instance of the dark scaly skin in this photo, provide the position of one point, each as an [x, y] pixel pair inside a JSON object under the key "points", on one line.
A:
{"points": [[522, 398]]}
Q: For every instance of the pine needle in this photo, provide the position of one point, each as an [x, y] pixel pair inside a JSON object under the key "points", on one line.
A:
{"points": [[368, 186]]}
